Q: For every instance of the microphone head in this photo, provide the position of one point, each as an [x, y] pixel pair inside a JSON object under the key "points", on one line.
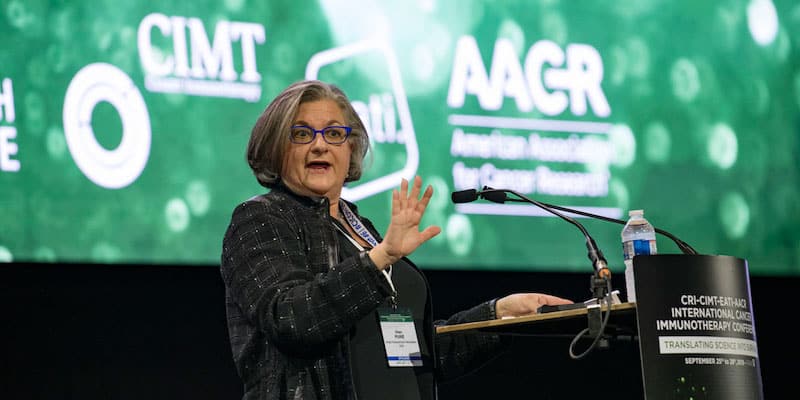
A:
{"points": [[464, 196], [495, 197]]}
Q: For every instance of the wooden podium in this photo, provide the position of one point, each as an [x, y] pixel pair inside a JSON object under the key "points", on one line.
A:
{"points": [[693, 322], [622, 321]]}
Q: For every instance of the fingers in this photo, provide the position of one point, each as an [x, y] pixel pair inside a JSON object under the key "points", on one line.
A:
{"points": [[403, 193], [403, 235], [519, 304], [551, 300], [430, 232], [415, 188], [426, 198], [413, 196], [395, 202]]}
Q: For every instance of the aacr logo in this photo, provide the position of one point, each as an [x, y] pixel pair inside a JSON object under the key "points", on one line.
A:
{"points": [[193, 65], [540, 81], [550, 156]]}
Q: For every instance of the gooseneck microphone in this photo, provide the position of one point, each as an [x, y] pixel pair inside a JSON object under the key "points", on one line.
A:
{"points": [[600, 280], [499, 195], [464, 196]]}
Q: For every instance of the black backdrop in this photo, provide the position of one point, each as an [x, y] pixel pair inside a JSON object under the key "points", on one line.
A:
{"points": [[158, 332]]}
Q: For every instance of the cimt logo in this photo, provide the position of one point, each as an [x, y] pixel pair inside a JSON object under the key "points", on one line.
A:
{"points": [[377, 112], [194, 65]]}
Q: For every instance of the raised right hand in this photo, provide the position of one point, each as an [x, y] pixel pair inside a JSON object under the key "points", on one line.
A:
{"points": [[403, 235]]}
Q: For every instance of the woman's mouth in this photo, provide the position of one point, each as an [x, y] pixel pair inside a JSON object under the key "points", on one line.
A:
{"points": [[320, 166]]}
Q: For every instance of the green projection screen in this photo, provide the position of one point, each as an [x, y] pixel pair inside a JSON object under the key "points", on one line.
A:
{"points": [[123, 124]]}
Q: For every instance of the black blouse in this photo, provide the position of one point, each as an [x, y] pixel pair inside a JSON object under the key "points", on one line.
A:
{"points": [[373, 378]]}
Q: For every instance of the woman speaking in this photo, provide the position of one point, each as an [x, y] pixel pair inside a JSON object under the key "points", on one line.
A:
{"points": [[319, 304]]}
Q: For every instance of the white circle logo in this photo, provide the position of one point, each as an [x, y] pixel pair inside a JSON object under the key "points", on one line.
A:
{"points": [[117, 168]]}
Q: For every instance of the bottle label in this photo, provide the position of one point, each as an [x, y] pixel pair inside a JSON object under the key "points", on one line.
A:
{"points": [[638, 247], [645, 247]]}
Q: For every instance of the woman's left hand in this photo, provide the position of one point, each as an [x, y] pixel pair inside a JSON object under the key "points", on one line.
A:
{"points": [[519, 304]]}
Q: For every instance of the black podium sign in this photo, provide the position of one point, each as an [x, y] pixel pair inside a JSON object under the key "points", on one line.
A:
{"points": [[696, 331]]}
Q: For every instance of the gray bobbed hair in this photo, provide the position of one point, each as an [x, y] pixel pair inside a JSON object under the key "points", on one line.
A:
{"points": [[269, 138]]}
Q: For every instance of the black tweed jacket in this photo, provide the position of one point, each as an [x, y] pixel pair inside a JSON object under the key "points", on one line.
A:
{"points": [[291, 303]]}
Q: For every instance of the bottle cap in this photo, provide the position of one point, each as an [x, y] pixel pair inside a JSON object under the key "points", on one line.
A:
{"points": [[635, 212]]}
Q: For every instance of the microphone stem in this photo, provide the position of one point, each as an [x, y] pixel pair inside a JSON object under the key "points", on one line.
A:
{"points": [[599, 262]]}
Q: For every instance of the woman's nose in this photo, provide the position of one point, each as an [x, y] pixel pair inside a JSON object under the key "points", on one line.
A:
{"points": [[318, 143]]}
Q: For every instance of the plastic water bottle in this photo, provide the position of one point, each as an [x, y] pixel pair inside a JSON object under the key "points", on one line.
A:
{"points": [[638, 238]]}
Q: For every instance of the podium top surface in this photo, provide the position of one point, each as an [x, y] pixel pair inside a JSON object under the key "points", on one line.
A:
{"points": [[551, 322]]}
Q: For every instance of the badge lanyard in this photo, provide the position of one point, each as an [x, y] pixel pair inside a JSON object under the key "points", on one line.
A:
{"points": [[356, 224], [364, 233], [397, 324]]}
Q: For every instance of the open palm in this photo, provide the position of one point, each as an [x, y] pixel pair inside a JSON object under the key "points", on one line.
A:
{"points": [[403, 235]]}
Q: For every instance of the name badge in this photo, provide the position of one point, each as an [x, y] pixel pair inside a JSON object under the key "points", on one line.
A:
{"points": [[399, 337]]}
